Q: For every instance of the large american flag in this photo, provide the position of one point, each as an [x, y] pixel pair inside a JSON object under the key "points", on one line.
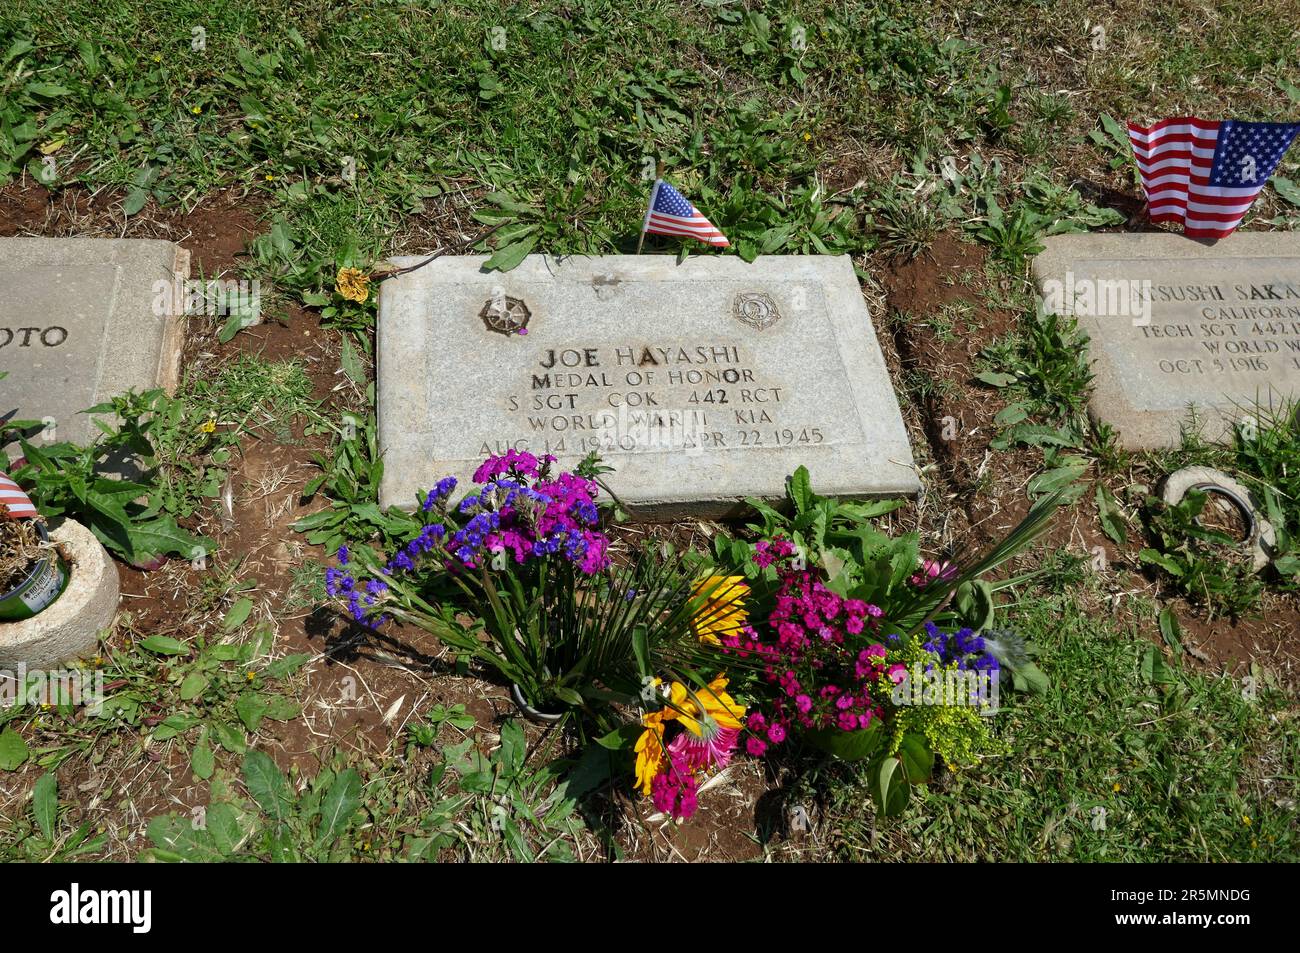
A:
{"points": [[1204, 174], [20, 506], [671, 214]]}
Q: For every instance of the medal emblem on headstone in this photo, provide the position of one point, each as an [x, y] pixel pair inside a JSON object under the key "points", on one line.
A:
{"points": [[505, 315], [756, 309]]}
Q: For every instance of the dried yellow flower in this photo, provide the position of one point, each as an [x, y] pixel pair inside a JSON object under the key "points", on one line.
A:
{"points": [[353, 284]]}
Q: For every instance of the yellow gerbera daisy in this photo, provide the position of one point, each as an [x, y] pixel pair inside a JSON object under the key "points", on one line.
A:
{"points": [[649, 750], [711, 705], [723, 612]]}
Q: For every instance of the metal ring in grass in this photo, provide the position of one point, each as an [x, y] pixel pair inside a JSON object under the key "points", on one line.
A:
{"points": [[1260, 541]]}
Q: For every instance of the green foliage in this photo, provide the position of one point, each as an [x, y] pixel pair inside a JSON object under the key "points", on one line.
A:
{"points": [[1207, 564], [274, 822], [1267, 449], [1133, 759], [224, 689], [43, 837], [805, 221], [863, 562], [173, 451], [423, 733], [1063, 209], [515, 802], [1014, 235], [250, 394], [1046, 366], [136, 519], [1045, 208], [349, 479], [1112, 140], [30, 111], [907, 220]]}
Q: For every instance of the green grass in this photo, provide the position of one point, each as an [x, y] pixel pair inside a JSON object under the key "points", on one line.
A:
{"points": [[453, 108], [1184, 766], [251, 394]]}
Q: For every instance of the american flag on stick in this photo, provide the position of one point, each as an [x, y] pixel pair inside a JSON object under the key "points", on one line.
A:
{"points": [[19, 505], [1205, 175], [671, 214]]}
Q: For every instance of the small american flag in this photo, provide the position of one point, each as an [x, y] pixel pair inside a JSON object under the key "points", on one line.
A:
{"points": [[1204, 174], [20, 506], [671, 214]]}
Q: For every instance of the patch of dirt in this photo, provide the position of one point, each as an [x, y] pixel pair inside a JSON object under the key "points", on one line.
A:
{"points": [[1270, 639], [946, 272], [216, 230], [935, 313], [22, 204]]}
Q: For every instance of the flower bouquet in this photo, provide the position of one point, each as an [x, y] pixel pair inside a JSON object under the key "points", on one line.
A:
{"points": [[867, 652], [518, 576]]}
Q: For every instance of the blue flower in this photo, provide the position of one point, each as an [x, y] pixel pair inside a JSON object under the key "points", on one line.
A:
{"points": [[439, 492]]}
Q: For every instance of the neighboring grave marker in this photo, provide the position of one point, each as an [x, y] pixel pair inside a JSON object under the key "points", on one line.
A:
{"points": [[702, 382], [79, 324], [1176, 323]]}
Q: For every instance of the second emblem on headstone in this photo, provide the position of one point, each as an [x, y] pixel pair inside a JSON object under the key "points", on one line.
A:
{"points": [[756, 309]]}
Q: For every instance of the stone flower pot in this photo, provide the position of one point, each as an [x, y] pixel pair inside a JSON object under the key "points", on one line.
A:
{"points": [[71, 624]]}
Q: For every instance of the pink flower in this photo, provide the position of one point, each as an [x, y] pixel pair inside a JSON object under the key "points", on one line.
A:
{"points": [[931, 570], [776, 734], [674, 791], [712, 748], [897, 673]]}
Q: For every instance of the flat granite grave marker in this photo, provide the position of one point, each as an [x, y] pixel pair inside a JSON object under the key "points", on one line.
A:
{"points": [[1178, 325], [83, 320], [701, 383]]}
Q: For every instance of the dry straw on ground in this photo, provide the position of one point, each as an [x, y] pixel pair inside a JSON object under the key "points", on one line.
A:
{"points": [[20, 546]]}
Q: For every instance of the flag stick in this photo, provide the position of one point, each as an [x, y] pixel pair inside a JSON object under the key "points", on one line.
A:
{"points": [[645, 222]]}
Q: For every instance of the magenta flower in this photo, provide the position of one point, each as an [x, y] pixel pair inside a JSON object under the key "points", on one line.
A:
{"points": [[674, 791], [712, 748]]}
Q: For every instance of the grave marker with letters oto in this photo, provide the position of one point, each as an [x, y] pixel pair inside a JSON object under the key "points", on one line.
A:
{"points": [[83, 320]]}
